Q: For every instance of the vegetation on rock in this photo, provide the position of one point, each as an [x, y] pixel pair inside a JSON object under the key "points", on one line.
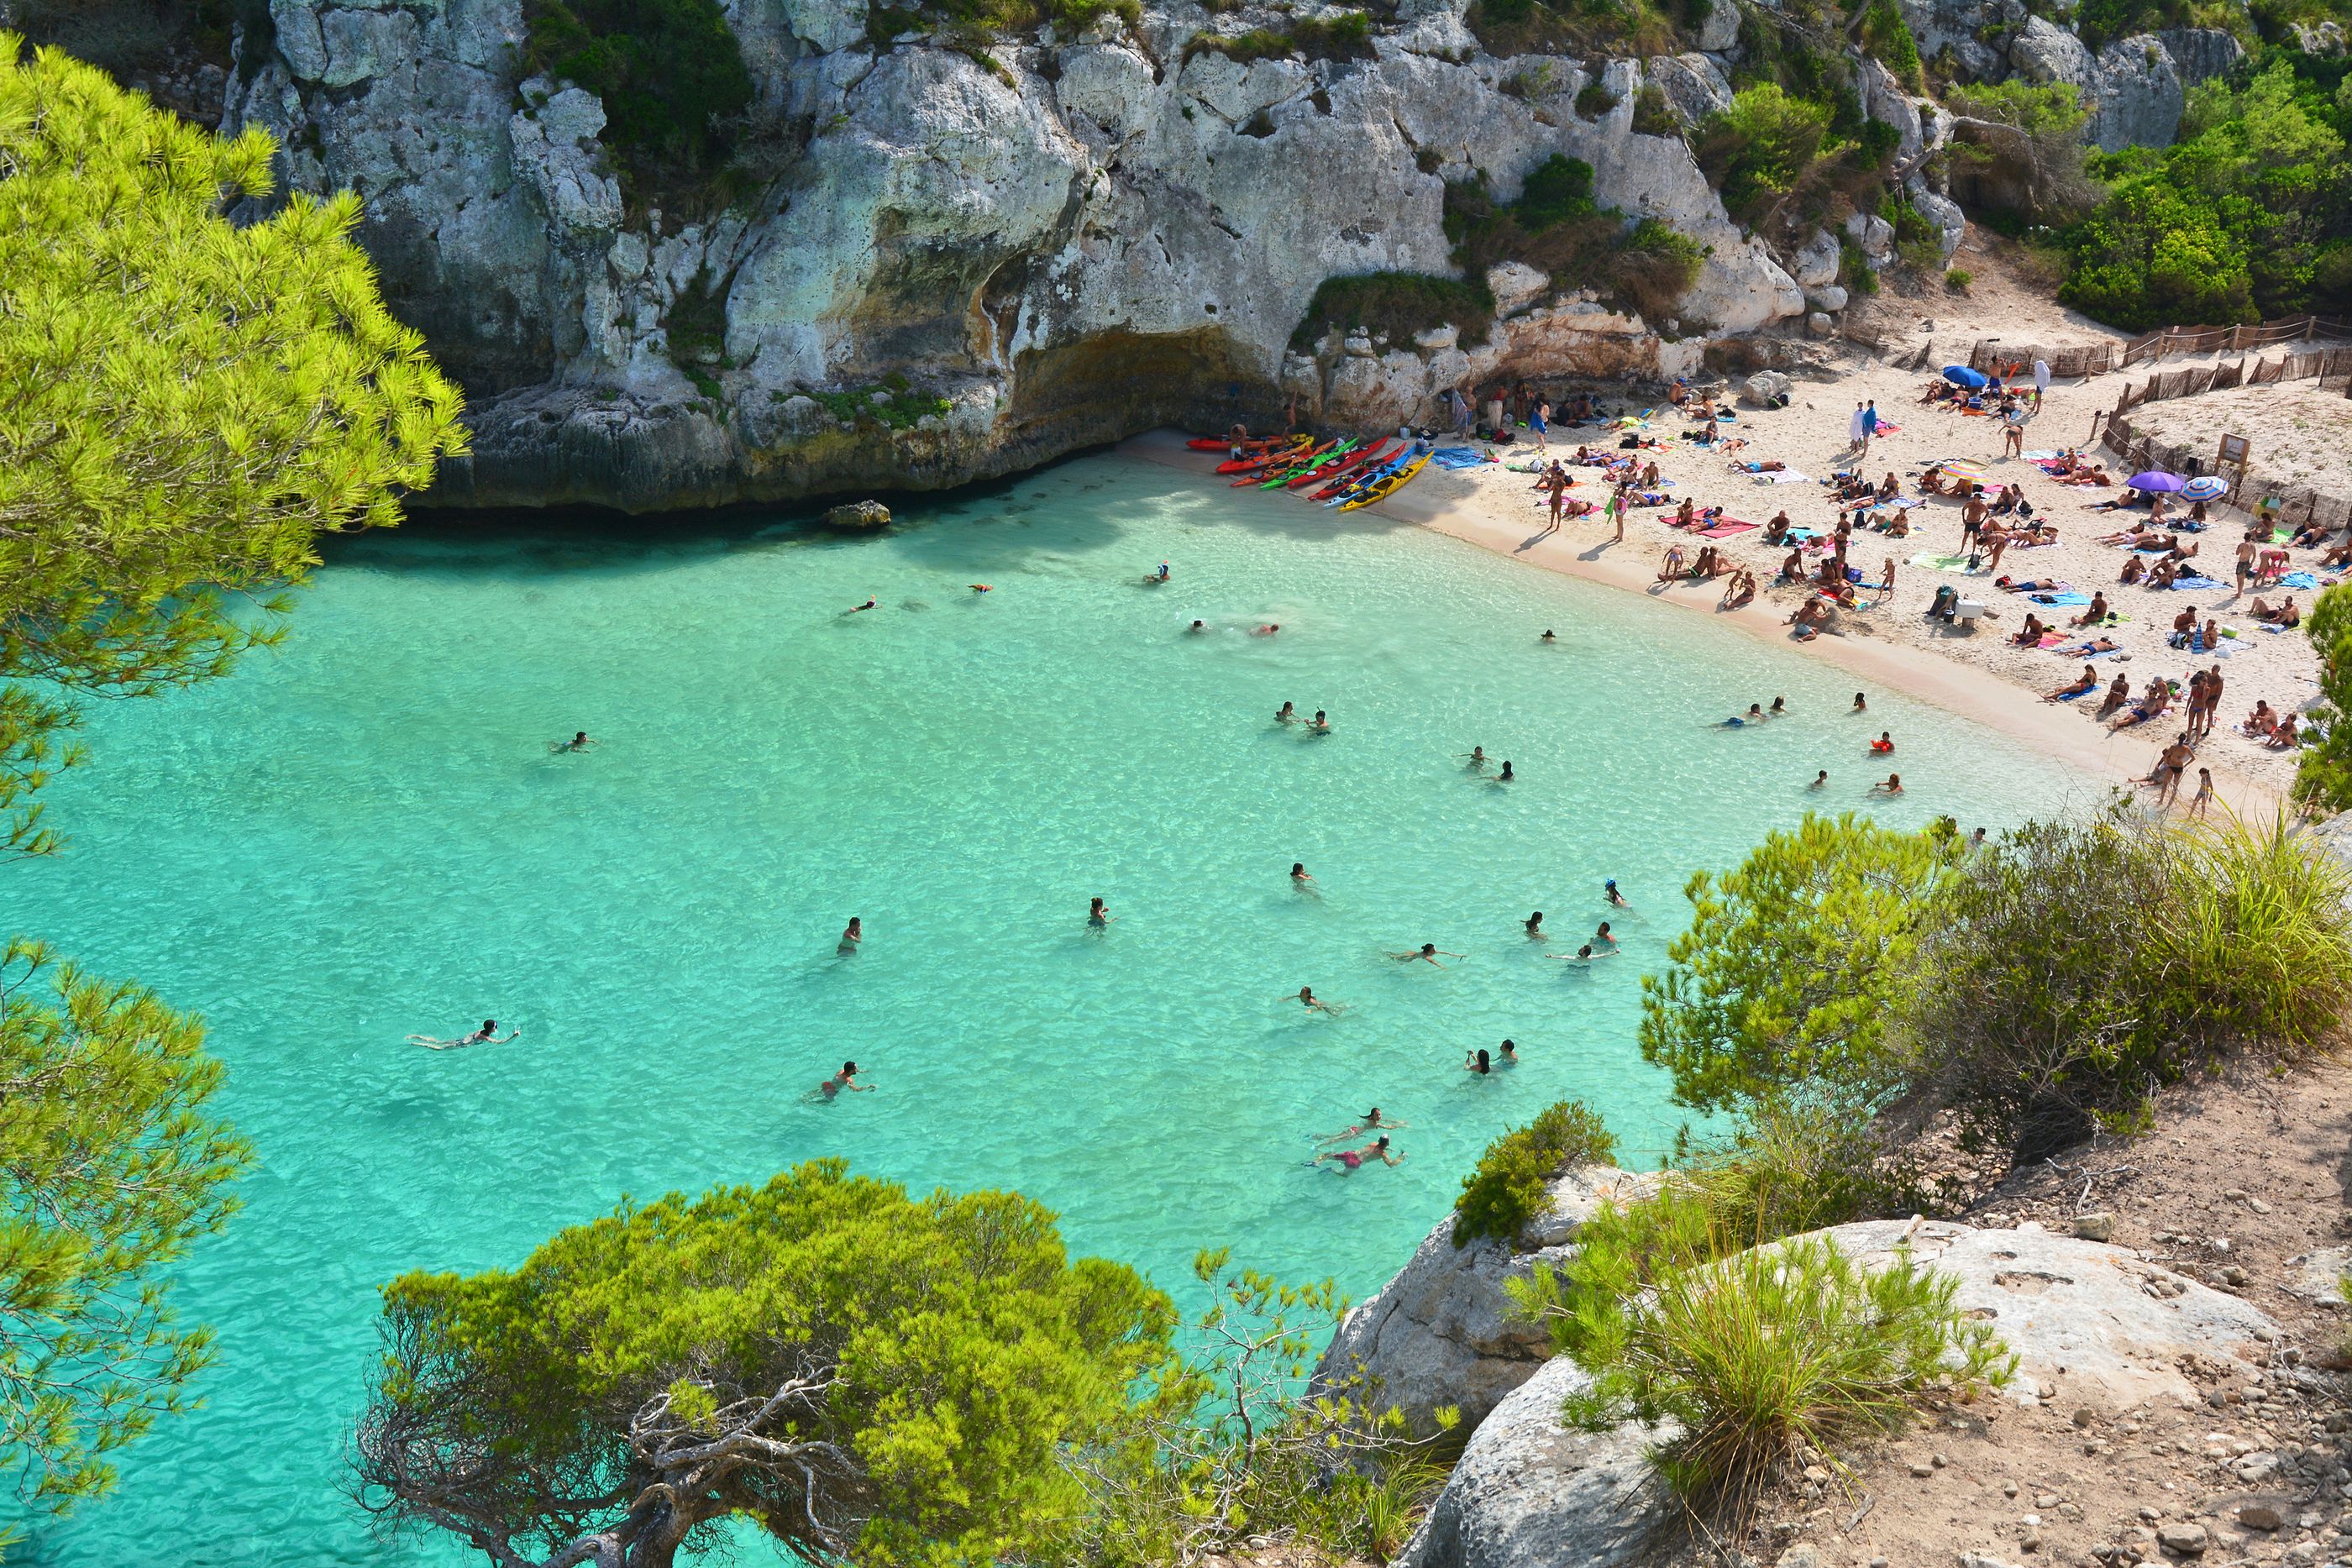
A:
{"points": [[2248, 216], [1511, 1184], [669, 72], [2323, 776]]}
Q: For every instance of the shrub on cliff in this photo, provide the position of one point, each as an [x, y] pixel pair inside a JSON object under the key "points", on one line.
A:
{"points": [[1655, 266], [2323, 776], [2078, 965], [1785, 979], [1398, 304], [669, 72], [1509, 1187], [1755, 1350]]}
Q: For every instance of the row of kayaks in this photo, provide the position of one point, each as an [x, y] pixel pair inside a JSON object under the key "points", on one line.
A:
{"points": [[1344, 472]]}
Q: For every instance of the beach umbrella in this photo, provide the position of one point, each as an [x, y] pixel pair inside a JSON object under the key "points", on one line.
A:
{"points": [[1961, 376], [2209, 488], [2156, 479], [1962, 468]]}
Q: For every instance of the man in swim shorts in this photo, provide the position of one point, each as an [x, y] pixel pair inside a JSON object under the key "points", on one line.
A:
{"points": [[1349, 1159]]}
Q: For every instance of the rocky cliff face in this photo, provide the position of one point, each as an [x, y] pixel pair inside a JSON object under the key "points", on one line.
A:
{"points": [[949, 262]]}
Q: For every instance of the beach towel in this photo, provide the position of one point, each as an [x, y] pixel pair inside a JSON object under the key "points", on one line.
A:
{"points": [[2197, 584], [1785, 477], [1458, 457], [2050, 639], [2060, 598], [1724, 529], [2041, 457], [2298, 580], [1941, 562]]}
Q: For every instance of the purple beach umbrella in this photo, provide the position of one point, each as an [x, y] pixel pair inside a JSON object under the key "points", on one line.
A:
{"points": [[2156, 479]]}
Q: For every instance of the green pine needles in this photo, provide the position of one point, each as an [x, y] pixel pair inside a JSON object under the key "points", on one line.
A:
{"points": [[1511, 1184]]}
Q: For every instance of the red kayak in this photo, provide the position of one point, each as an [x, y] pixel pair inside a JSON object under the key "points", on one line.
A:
{"points": [[1267, 460], [1347, 463], [1349, 473], [1285, 462], [1219, 444]]}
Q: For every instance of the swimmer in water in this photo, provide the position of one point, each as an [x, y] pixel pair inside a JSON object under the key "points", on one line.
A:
{"points": [[579, 742], [1609, 891], [1534, 924], [486, 1035], [1894, 786], [1547, 637], [1779, 709], [1298, 875], [1506, 776], [1476, 758], [1268, 629], [1319, 725], [1430, 953], [1509, 1054], [1860, 704], [1162, 575], [1315, 1004], [984, 588], [1349, 1160], [1602, 934], [1883, 744], [1584, 955], [1478, 1061], [844, 1079], [870, 603], [851, 935], [1818, 780], [1286, 714], [1373, 1122], [1098, 914], [1198, 627]]}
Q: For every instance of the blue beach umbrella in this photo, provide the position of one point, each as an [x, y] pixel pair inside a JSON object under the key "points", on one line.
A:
{"points": [[1961, 376], [2208, 489], [2156, 479]]}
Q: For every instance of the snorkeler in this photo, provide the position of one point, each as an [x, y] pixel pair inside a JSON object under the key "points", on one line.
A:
{"points": [[1349, 1160], [1319, 725], [1286, 714], [1609, 891], [579, 742], [844, 1079], [870, 603], [1154, 580], [1534, 924], [486, 1035], [851, 935], [1478, 1061], [1098, 914]]}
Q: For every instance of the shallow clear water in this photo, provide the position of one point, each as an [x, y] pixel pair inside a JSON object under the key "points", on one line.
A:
{"points": [[364, 836]]}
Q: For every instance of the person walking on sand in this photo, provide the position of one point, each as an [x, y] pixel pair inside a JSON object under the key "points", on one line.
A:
{"points": [[2204, 792]]}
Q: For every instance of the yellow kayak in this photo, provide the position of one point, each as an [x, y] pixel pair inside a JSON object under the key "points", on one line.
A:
{"points": [[1381, 489]]}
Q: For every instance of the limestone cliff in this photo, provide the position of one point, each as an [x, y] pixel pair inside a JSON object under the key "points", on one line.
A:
{"points": [[940, 261]]}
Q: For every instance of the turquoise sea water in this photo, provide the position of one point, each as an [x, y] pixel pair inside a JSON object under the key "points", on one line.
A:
{"points": [[365, 835]]}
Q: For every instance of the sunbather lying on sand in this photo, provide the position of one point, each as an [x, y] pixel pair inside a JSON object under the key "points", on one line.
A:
{"points": [[2088, 681]]}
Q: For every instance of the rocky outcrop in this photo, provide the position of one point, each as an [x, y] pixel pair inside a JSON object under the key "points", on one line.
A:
{"points": [[1049, 243], [2092, 1326], [1442, 1331]]}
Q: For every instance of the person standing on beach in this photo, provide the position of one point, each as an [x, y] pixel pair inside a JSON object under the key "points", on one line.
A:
{"points": [[2204, 792], [1461, 414], [2245, 560], [1537, 421], [1869, 425], [1855, 438], [2041, 383]]}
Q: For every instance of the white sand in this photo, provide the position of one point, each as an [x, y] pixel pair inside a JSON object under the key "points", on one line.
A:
{"points": [[2300, 435]]}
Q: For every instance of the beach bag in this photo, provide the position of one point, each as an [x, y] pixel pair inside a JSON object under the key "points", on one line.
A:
{"points": [[1630, 444]]}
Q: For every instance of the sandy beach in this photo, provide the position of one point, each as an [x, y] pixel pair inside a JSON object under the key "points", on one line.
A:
{"points": [[1980, 673]]}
